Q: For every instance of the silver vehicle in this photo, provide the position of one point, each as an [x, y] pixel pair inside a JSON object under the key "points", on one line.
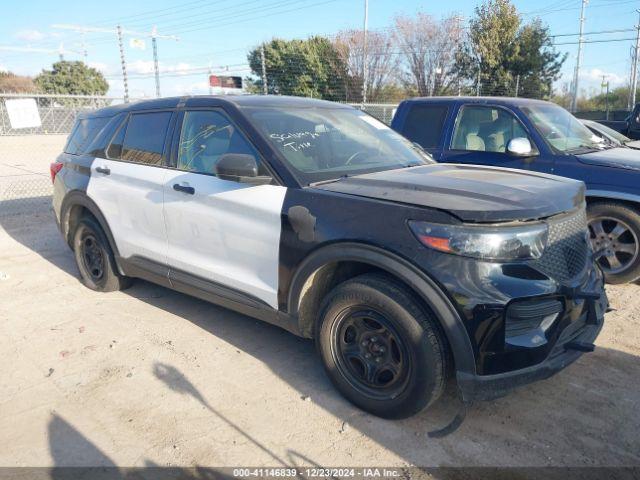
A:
{"points": [[610, 135]]}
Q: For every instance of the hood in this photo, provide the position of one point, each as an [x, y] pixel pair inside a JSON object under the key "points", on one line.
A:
{"points": [[635, 144], [614, 157], [471, 193]]}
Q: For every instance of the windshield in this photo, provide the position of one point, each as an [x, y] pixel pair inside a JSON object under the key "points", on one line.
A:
{"points": [[328, 143], [610, 132], [561, 130]]}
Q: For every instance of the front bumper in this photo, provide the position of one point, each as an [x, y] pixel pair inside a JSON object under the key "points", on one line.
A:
{"points": [[584, 329]]}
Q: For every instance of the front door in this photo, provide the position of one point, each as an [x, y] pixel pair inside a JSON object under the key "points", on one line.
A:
{"points": [[222, 231], [481, 136]]}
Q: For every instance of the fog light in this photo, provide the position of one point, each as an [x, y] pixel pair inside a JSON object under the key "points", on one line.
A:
{"points": [[527, 322]]}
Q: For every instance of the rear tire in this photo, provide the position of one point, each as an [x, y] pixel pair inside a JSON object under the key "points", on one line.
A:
{"points": [[380, 349], [615, 228], [95, 259]]}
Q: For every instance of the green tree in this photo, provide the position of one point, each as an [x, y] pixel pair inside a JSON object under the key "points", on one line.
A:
{"points": [[72, 78], [537, 65], [508, 56], [306, 68]]}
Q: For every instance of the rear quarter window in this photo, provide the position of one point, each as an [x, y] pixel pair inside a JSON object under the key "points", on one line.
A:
{"points": [[424, 124], [84, 133]]}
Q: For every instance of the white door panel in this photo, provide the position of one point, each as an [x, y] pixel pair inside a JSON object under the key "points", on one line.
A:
{"points": [[131, 199], [226, 232]]}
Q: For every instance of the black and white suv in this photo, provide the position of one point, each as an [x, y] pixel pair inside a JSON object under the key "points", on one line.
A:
{"points": [[320, 219]]}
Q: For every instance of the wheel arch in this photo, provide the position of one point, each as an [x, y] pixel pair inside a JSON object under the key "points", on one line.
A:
{"points": [[75, 204], [631, 200], [332, 264]]}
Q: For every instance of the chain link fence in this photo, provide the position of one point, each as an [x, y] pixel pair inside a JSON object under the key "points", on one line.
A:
{"points": [[26, 153], [57, 112]]}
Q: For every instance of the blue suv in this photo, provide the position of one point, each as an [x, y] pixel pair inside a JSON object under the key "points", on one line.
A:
{"points": [[543, 137]]}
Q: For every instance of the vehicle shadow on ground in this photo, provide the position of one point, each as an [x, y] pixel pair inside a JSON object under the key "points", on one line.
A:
{"points": [[585, 415], [24, 219], [582, 406]]}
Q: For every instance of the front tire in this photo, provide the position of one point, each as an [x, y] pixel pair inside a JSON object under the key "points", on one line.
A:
{"points": [[380, 349], [95, 259], [614, 229]]}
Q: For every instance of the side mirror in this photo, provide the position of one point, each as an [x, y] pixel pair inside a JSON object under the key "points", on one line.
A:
{"points": [[234, 165], [520, 147]]}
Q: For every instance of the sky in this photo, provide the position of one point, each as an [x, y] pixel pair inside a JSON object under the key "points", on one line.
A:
{"points": [[219, 33]]}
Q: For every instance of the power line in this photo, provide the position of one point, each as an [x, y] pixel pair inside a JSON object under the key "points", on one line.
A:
{"points": [[217, 9], [259, 17], [601, 32]]}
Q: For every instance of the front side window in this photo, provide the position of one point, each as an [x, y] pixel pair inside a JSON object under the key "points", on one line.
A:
{"points": [[142, 139], [327, 143], [560, 129], [486, 129], [208, 135]]}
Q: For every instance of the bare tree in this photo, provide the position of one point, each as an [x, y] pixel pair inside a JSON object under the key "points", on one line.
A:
{"points": [[382, 62], [429, 47]]}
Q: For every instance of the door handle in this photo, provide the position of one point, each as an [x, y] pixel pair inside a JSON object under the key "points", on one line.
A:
{"points": [[182, 188], [103, 170]]}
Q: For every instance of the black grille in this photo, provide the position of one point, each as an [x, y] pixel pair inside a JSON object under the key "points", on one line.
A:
{"points": [[567, 248]]}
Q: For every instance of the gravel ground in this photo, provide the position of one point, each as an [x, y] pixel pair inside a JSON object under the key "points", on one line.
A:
{"points": [[153, 377]]}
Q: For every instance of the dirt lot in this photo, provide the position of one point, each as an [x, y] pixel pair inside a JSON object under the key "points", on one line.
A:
{"points": [[153, 377]]}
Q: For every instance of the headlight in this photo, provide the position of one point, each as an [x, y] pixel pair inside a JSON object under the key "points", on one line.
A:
{"points": [[485, 242]]}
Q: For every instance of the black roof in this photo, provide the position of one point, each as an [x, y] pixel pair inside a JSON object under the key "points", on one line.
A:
{"points": [[214, 100]]}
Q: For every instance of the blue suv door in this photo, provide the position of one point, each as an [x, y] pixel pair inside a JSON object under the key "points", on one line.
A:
{"points": [[481, 135]]}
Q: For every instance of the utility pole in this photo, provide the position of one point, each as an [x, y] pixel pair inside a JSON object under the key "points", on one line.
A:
{"points": [[634, 70], [265, 88], [120, 32], [365, 70], [576, 75], [123, 63], [83, 45], [517, 84], [607, 100], [209, 78], [156, 70]]}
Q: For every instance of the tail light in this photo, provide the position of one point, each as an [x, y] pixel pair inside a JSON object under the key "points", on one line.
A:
{"points": [[54, 168]]}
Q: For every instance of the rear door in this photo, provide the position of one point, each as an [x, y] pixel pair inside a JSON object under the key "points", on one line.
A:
{"points": [[424, 124], [481, 134], [223, 233], [127, 186]]}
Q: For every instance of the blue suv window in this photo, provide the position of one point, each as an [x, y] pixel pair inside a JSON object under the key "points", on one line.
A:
{"points": [[424, 124]]}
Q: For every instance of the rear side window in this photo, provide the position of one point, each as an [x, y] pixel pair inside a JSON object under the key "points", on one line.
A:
{"points": [[83, 135], [142, 139], [424, 124]]}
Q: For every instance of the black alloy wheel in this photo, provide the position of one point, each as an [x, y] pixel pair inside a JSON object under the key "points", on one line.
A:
{"points": [[370, 353], [93, 259]]}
